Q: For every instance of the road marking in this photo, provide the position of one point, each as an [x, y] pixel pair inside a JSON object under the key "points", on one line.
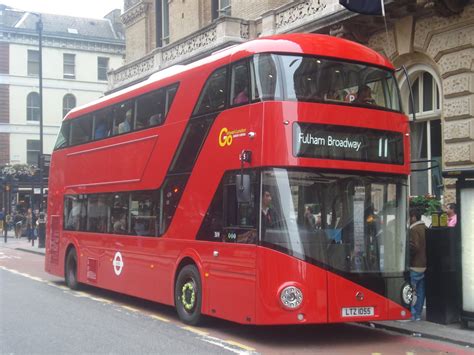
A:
{"points": [[248, 348], [225, 345], [196, 331], [159, 318], [130, 308]]}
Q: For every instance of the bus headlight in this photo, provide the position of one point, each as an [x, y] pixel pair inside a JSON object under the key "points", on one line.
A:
{"points": [[291, 297], [408, 295]]}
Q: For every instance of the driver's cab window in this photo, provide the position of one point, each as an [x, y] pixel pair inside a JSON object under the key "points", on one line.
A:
{"points": [[233, 216]]}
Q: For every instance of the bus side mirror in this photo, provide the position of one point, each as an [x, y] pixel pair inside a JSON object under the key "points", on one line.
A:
{"points": [[242, 188]]}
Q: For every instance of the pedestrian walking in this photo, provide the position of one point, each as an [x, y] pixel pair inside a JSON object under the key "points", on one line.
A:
{"points": [[3, 223], [417, 261], [17, 222]]}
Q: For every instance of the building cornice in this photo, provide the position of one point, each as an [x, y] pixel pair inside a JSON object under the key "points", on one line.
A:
{"points": [[82, 43]]}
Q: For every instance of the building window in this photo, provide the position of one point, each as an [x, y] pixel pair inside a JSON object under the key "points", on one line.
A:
{"points": [[162, 23], [33, 62], [426, 138], [33, 107], [69, 66], [69, 102], [102, 68], [221, 8], [32, 151]]}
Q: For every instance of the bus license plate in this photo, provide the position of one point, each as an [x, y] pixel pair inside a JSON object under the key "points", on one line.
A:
{"points": [[358, 311]]}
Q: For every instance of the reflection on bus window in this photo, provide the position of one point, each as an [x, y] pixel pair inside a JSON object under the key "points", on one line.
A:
{"points": [[228, 219], [214, 93], [314, 79], [239, 92], [266, 77], [347, 222], [81, 130]]}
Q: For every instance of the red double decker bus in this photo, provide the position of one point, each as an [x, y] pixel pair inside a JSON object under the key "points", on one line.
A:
{"points": [[264, 184]]}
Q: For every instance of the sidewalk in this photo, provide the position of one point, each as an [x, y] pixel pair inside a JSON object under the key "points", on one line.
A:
{"points": [[451, 333], [21, 244], [448, 333]]}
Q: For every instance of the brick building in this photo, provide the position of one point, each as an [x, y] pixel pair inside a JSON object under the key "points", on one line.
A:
{"points": [[434, 39]]}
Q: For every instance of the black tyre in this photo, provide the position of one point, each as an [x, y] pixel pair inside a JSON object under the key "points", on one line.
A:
{"points": [[188, 295], [70, 272]]}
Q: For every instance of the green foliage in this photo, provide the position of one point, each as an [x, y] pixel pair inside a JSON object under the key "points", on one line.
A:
{"points": [[427, 204]]}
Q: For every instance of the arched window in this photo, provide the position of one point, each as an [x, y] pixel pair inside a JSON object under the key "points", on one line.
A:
{"points": [[33, 107], [426, 136], [69, 102]]}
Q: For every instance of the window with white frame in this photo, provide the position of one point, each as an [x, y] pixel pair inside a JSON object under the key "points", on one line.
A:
{"points": [[102, 68], [426, 136], [69, 66], [33, 107], [32, 151], [69, 102], [33, 62]]}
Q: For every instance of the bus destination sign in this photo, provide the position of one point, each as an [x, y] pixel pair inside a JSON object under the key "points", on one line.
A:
{"points": [[347, 143]]}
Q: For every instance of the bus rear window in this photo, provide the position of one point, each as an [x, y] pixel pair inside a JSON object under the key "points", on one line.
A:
{"points": [[315, 79]]}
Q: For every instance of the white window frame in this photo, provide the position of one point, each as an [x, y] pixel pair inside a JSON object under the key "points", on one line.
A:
{"points": [[415, 72], [69, 64]]}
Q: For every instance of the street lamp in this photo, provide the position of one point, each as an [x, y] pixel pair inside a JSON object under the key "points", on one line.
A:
{"points": [[39, 28]]}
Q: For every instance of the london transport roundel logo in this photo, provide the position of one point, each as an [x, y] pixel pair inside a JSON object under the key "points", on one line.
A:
{"points": [[118, 263]]}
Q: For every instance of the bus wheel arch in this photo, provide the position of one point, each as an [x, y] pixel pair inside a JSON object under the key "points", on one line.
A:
{"points": [[71, 267], [188, 292]]}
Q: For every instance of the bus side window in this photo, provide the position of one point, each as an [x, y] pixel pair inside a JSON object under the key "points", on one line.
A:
{"points": [[213, 95], [151, 109], [266, 77], [240, 218], [124, 117], [98, 210], [144, 213], [119, 214], [81, 130], [103, 123], [239, 93], [75, 212]]}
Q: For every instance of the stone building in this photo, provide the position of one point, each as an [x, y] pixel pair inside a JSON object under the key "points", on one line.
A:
{"points": [[77, 54], [434, 39]]}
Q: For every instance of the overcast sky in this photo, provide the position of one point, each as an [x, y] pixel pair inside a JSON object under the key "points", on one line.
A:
{"points": [[81, 8]]}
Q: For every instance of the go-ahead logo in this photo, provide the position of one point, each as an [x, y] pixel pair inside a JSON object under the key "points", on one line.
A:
{"points": [[226, 137]]}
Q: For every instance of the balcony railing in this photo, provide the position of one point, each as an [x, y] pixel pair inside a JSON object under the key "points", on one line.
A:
{"points": [[223, 32]]}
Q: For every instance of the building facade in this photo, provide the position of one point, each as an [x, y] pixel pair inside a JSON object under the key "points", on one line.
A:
{"points": [[77, 54], [434, 39]]}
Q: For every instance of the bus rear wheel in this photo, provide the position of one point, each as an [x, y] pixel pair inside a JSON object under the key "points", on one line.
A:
{"points": [[70, 274], [188, 295]]}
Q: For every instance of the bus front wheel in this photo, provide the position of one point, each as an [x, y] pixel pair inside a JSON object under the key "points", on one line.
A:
{"points": [[71, 270], [188, 295]]}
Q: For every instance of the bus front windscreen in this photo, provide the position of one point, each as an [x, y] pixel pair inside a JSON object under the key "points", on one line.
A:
{"points": [[348, 223], [318, 79]]}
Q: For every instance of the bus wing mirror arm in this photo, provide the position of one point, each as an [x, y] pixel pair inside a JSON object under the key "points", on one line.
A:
{"points": [[409, 87]]}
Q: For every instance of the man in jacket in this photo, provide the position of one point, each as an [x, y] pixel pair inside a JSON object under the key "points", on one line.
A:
{"points": [[417, 261]]}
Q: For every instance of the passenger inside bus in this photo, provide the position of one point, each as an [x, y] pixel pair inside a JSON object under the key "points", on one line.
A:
{"points": [[364, 95], [126, 125]]}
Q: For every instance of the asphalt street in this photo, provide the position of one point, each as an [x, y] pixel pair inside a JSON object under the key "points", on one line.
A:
{"points": [[39, 315]]}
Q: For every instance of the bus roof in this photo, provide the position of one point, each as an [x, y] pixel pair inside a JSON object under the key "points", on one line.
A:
{"points": [[312, 44]]}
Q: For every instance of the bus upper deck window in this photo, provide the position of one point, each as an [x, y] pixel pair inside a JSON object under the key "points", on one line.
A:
{"points": [[213, 95], [266, 77]]}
